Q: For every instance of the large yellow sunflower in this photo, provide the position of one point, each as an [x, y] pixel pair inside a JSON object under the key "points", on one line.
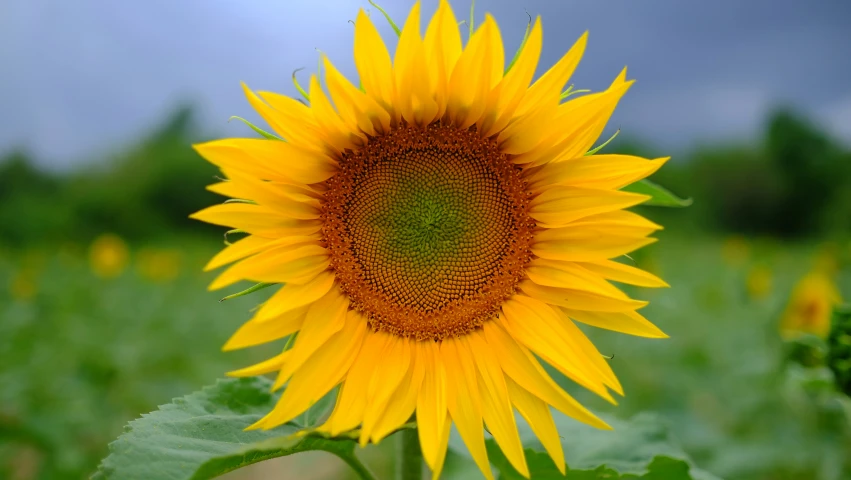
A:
{"points": [[437, 232]]}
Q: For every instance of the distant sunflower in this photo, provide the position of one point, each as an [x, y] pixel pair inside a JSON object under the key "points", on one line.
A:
{"points": [[810, 306], [437, 232]]}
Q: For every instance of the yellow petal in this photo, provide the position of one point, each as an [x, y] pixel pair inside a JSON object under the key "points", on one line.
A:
{"points": [[373, 63], [522, 367], [402, 403], [569, 275], [619, 222], [322, 372], [496, 406], [386, 379], [576, 125], [294, 129], [431, 403], [256, 332], [579, 299], [530, 325], [596, 171], [619, 272], [269, 159], [477, 71], [324, 318], [595, 237], [288, 199], [357, 109], [508, 95], [441, 448], [267, 366], [237, 250], [298, 263], [606, 247], [557, 206], [464, 401], [256, 220], [332, 129], [415, 99], [537, 414], [629, 322], [293, 120], [442, 49], [554, 80], [292, 296], [351, 402], [525, 133]]}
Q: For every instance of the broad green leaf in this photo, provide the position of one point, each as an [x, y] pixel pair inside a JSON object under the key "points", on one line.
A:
{"points": [[641, 448], [661, 196], [202, 435]]}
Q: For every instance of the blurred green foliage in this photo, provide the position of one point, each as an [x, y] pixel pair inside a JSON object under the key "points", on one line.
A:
{"points": [[82, 355], [144, 192], [794, 182]]}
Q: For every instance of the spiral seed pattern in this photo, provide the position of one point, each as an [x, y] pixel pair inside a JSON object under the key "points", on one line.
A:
{"points": [[428, 230]]}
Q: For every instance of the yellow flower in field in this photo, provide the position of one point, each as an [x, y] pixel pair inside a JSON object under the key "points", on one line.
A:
{"points": [[810, 306], [108, 255], [437, 233], [158, 265], [759, 282]]}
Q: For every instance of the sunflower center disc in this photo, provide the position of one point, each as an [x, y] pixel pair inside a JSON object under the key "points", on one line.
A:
{"points": [[428, 230]]}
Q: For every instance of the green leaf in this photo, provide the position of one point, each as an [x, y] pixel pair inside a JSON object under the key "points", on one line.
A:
{"points": [[257, 129], [641, 448], [298, 85], [202, 435], [570, 91], [661, 197], [254, 288], [603, 145], [388, 18], [522, 44]]}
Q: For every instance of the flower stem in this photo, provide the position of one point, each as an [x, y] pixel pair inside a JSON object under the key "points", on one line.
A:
{"points": [[410, 463], [359, 468]]}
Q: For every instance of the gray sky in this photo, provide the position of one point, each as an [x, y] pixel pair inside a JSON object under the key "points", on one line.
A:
{"points": [[80, 78]]}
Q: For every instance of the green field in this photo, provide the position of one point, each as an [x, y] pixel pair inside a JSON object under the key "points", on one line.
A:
{"points": [[81, 355]]}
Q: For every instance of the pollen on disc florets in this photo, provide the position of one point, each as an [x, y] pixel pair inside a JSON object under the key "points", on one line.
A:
{"points": [[428, 230]]}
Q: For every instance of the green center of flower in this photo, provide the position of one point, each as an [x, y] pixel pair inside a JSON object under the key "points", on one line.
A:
{"points": [[428, 230]]}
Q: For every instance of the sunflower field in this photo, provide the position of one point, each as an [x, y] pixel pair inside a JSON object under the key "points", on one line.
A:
{"points": [[111, 361]]}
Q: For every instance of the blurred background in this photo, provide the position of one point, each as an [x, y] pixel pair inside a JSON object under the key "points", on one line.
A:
{"points": [[104, 312]]}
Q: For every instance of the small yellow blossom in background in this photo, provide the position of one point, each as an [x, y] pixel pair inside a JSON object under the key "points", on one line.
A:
{"points": [[736, 250], [810, 306], [759, 282], [108, 255], [158, 264]]}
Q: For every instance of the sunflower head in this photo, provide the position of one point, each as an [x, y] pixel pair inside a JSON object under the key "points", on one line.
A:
{"points": [[810, 306], [437, 233]]}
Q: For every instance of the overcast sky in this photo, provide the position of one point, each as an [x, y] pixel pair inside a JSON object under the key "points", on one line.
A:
{"points": [[78, 78]]}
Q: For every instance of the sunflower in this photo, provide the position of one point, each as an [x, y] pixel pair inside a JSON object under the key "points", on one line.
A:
{"points": [[438, 233], [810, 306]]}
